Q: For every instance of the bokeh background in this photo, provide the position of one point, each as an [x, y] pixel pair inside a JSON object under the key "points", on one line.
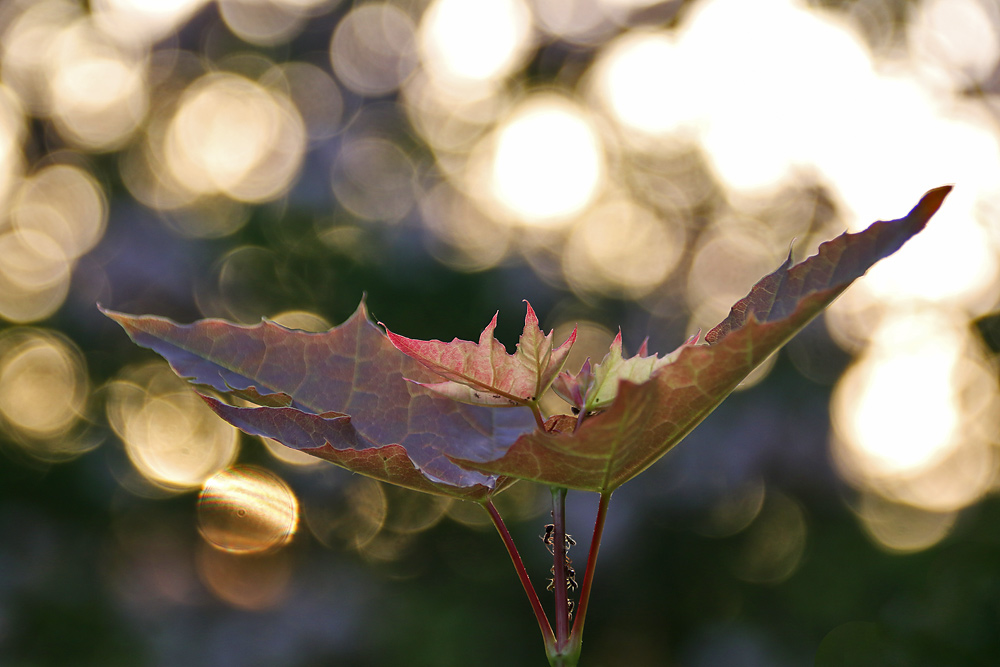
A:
{"points": [[626, 163]]}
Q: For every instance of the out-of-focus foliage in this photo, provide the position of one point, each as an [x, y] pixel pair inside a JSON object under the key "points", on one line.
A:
{"points": [[614, 161]]}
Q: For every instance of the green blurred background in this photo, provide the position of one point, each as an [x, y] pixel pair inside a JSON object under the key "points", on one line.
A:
{"points": [[625, 163]]}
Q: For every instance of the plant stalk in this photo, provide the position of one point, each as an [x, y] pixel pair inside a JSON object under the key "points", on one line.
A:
{"points": [[539, 417], [559, 568], [522, 574], [576, 639]]}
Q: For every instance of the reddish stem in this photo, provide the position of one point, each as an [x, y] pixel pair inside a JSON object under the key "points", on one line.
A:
{"points": [[537, 412], [588, 576], [522, 574]]}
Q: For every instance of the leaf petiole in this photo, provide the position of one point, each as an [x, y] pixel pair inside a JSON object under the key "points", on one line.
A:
{"points": [[559, 567], [522, 574], [576, 638], [536, 411]]}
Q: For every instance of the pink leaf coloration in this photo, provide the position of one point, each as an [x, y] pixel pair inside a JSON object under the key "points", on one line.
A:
{"points": [[647, 419], [339, 395], [484, 373], [575, 387]]}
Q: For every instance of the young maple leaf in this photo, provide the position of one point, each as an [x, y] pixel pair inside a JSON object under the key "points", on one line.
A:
{"points": [[649, 417], [614, 368], [339, 395], [484, 373]]}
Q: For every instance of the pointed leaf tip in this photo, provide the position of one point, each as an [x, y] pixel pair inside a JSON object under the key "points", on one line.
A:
{"points": [[931, 202], [530, 317], [821, 278]]}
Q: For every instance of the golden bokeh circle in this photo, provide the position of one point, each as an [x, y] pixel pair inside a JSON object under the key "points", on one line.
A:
{"points": [[247, 509]]}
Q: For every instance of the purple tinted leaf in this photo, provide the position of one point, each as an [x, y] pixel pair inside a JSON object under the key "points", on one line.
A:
{"points": [[352, 370], [837, 264], [647, 419]]}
